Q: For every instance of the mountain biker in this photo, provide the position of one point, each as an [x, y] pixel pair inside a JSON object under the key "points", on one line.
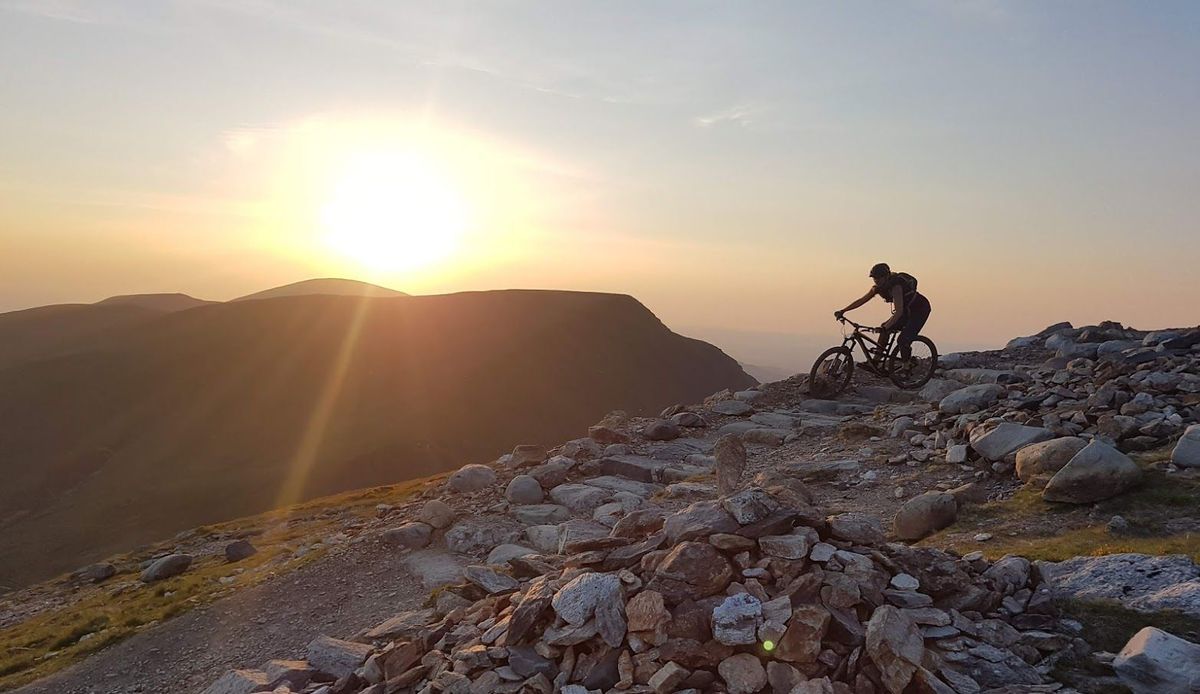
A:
{"points": [[910, 308]]}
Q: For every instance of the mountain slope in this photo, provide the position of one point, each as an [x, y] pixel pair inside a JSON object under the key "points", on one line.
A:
{"points": [[159, 302], [325, 286], [230, 409]]}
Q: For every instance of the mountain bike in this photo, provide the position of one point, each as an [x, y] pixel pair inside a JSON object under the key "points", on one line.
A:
{"points": [[834, 369]]}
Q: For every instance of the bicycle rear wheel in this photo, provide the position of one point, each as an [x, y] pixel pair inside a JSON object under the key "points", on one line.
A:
{"points": [[918, 369], [831, 373]]}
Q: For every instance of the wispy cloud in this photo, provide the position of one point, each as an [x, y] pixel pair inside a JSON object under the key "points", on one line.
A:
{"points": [[61, 10], [740, 115]]}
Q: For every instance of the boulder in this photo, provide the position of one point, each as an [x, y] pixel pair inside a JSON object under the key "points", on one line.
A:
{"points": [[492, 582], [434, 569], [97, 573], [661, 430], [795, 545], [166, 567], [553, 472], [1095, 473], [730, 454], [895, 645], [238, 550], [691, 570], [972, 398], [1038, 462], [1007, 438], [858, 528], [524, 489], [1187, 450], [801, 643], [939, 388], [736, 620], [733, 408], [698, 521], [471, 478], [579, 498], [540, 514], [480, 534], [576, 602], [743, 673], [925, 514], [606, 435], [502, 553], [1156, 662], [408, 536], [436, 513], [957, 454], [750, 505], [240, 682], [1139, 581], [335, 657], [526, 455]]}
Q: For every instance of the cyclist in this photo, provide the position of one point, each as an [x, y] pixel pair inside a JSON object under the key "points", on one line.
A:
{"points": [[910, 308]]}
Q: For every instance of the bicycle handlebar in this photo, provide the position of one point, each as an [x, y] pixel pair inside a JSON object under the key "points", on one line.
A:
{"points": [[857, 326]]}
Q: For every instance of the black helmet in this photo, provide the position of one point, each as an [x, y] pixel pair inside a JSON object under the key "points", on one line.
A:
{"points": [[880, 270]]}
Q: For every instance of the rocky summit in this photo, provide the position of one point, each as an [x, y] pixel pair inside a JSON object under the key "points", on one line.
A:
{"points": [[774, 598], [765, 541], [750, 587]]}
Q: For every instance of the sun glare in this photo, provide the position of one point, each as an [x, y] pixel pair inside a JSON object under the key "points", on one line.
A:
{"points": [[393, 211]]}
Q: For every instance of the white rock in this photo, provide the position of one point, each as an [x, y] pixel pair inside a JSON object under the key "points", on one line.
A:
{"points": [[1155, 662], [1187, 451]]}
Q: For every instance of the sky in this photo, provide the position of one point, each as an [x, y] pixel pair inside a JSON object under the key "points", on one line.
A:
{"points": [[738, 167]]}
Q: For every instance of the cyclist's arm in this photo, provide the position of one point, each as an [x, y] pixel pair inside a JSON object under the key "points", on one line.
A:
{"points": [[898, 308], [859, 302]]}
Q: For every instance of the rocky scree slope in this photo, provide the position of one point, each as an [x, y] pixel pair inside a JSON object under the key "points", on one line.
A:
{"points": [[756, 589], [884, 451]]}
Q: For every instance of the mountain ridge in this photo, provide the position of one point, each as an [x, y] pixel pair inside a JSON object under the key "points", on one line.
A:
{"points": [[251, 404]]}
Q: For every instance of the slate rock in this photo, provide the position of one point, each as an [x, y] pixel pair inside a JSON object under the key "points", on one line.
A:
{"points": [[1007, 438], [335, 657], [166, 567], [1156, 662], [471, 478], [1039, 462], [925, 514], [1095, 473], [238, 550]]}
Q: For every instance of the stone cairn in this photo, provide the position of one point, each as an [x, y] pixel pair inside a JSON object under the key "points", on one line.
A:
{"points": [[754, 592]]}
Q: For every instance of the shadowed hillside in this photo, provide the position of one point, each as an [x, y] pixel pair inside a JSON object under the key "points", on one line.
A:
{"points": [[230, 409]]}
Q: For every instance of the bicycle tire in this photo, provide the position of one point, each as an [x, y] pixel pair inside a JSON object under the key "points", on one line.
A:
{"points": [[817, 383], [908, 384]]}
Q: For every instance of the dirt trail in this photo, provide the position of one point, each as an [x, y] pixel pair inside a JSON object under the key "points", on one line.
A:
{"points": [[338, 594]]}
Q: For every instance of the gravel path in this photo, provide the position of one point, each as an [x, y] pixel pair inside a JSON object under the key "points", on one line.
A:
{"points": [[340, 594]]}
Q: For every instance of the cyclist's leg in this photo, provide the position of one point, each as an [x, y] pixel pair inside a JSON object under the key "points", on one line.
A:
{"points": [[915, 319]]}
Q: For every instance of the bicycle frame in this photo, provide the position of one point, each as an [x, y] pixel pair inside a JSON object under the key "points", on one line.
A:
{"points": [[875, 351]]}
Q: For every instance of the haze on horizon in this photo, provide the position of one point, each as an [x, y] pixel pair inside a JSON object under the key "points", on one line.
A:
{"points": [[735, 167]]}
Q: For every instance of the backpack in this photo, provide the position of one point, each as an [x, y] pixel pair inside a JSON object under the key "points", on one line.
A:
{"points": [[905, 281]]}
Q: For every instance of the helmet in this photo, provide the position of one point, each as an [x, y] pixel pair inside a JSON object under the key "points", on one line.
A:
{"points": [[880, 270]]}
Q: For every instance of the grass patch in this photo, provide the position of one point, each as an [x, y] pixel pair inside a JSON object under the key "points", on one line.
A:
{"points": [[123, 606], [1025, 524], [1110, 626]]}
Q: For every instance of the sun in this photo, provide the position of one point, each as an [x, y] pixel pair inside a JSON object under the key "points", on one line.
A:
{"points": [[393, 211]]}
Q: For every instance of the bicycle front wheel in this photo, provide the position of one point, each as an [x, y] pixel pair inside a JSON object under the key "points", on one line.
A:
{"points": [[915, 371], [831, 373]]}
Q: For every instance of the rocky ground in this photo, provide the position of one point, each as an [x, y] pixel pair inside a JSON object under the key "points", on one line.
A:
{"points": [[663, 555]]}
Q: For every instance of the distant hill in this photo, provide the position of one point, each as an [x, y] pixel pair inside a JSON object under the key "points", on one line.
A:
{"points": [[49, 331], [157, 302], [326, 287], [190, 417]]}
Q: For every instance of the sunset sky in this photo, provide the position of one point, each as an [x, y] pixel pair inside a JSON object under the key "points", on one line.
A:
{"points": [[734, 165]]}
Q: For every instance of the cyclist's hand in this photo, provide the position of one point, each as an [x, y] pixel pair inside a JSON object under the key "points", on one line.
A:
{"points": [[840, 315]]}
